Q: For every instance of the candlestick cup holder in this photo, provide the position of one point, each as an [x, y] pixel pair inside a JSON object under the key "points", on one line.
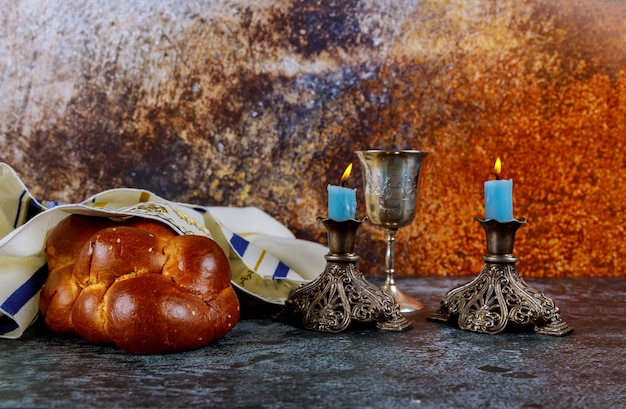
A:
{"points": [[498, 295], [341, 297]]}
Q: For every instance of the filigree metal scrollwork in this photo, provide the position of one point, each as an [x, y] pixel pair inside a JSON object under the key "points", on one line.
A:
{"points": [[341, 295], [498, 295]]}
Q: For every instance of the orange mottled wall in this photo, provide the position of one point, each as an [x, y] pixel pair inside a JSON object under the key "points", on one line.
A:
{"points": [[263, 103]]}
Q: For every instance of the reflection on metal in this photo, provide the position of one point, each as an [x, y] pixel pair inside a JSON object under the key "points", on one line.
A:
{"points": [[499, 295], [341, 296]]}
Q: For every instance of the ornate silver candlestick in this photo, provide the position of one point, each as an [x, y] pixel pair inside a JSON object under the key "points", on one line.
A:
{"points": [[341, 296], [499, 295]]}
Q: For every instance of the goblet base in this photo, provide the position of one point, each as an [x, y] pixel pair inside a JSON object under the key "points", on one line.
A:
{"points": [[407, 304]]}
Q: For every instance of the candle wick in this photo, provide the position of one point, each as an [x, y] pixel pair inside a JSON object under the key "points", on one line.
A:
{"points": [[343, 183], [496, 175]]}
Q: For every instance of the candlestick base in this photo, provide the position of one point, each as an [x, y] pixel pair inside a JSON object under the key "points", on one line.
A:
{"points": [[498, 295], [341, 296]]}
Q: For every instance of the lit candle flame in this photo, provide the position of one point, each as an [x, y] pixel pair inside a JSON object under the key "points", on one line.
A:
{"points": [[346, 174], [497, 168]]}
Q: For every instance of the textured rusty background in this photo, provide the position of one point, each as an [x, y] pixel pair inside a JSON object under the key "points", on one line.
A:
{"points": [[262, 103]]}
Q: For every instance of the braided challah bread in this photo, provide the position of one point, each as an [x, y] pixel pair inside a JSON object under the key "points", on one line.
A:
{"points": [[136, 284]]}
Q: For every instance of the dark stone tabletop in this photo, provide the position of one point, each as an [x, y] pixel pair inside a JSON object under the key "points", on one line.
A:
{"points": [[264, 363]]}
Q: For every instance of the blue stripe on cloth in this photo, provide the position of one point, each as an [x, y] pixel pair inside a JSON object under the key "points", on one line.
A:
{"points": [[22, 295], [281, 271], [34, 208], [7, 325], [16, 222], [48, 204], [239, 244]]}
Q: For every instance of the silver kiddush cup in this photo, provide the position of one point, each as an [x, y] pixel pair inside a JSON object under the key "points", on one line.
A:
{"points": [[391, 180]]}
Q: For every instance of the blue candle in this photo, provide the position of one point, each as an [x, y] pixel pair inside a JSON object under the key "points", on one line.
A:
{"points": [[342, 200], [341, 203], [499, 197]]}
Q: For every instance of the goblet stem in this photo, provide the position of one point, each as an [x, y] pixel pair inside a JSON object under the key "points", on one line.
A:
{"points": [[389, 257], [406, 303]]}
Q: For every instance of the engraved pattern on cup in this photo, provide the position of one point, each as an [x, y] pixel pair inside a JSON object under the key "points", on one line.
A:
{"points": [[391, 184]]}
